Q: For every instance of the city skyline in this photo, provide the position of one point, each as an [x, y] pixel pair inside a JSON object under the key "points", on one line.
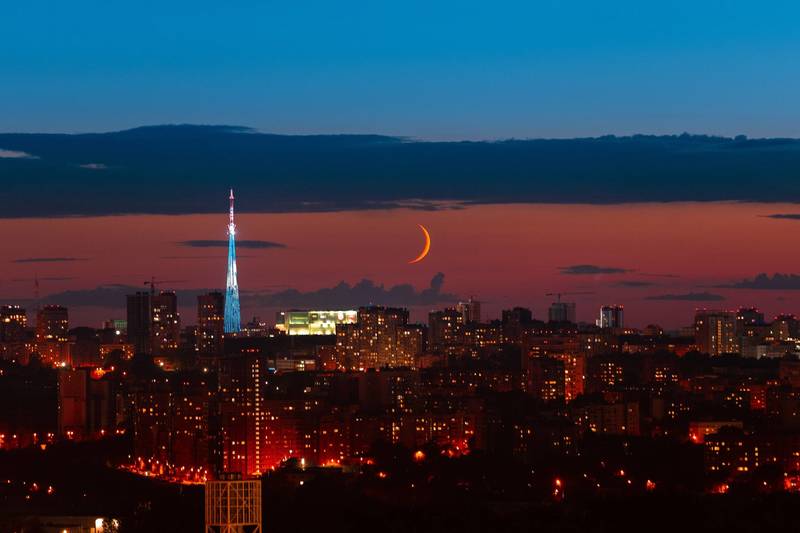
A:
{"points": [[474, 267], [518, 266]]}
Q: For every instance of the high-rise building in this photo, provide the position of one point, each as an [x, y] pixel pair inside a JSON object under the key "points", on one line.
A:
{"points": [[514, 322], [715, 331], [210, 322], [547, 379], [140, 322], [13, 321], [166, 322], [51, 336], [233, 322], [611, 316], [749, 316], [561, 312], [382, 337], [470, 310], [785, 327], [242, 420], [154, 324], [446, 330], [171, 423], [52, 324], [86, 403]]}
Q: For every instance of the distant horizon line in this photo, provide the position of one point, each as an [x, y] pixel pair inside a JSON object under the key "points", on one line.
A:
{"points": [[237, 128]]}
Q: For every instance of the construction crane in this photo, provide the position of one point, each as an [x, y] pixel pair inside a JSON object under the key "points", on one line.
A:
{"points": [[558, 295], [153, 282]]}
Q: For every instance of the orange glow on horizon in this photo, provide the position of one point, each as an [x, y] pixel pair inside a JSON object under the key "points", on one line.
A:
{"points": [[671, 249]]}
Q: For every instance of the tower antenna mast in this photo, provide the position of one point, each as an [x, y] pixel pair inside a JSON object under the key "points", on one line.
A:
{"points": [[232, 322]]}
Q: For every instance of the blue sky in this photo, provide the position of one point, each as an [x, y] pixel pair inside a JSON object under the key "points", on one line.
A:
{"points": [[432, 70]]}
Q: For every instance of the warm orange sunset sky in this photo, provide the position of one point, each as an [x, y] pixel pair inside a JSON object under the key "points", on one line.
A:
{"points": [[505, 255]]}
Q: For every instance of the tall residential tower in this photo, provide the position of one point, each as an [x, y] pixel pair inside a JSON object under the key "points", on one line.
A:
{"points": [[232, 314]]}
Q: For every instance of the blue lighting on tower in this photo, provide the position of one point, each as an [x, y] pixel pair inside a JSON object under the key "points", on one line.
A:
{"points": [[233, 322]]}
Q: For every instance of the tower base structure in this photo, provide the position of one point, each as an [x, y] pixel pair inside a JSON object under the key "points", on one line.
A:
{"points": [[233, 505]]}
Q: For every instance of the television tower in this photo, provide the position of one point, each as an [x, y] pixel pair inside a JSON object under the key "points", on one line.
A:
{"points": [[232, 314]]}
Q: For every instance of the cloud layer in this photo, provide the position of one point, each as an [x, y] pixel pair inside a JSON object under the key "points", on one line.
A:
{"points": [[15, 154], [583, 270], [634, 284], [365, 292], [763, 282], [688, 297], [284, 173], [784, 216], [252, 244], [48, 259]]}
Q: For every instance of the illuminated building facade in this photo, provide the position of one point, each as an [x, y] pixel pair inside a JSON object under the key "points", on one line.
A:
{"points": [[210, 323], [470, 310], [233, 321], [715, 332], [52, 324], [732, 451], [611, 316], [258, 432], [314, 322], [173, 431], [446, 331], [382, 337], [547, 379], [13, 321], [51, 336], [618, 418], [153, 324], [241, 399], [785, 327], [606, 373], [574, 374], [166, 323], [747, 317]]}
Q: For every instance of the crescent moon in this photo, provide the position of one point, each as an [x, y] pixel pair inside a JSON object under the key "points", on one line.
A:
{"points": [[425, 249]]}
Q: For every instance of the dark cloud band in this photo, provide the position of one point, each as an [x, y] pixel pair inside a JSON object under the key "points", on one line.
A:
{"points": [[763, 282], [687, 297], [584, 270], [48, 259], [280, 173], [251, 244]]}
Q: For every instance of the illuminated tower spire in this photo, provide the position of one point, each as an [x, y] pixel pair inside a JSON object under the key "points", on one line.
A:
{"points": [[232, 315]]}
